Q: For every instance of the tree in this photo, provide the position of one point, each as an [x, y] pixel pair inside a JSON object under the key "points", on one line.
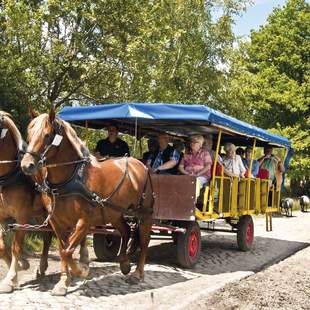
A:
{"points": [[112, 51], [270, 74]]}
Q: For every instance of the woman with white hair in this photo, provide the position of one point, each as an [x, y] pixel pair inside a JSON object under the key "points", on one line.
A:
{"points": [[197, 161], [232, 162]]}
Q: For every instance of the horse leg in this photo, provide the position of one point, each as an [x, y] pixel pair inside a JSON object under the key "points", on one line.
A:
{"points": [[4, 253], [61, 287], [84, 257], [144, 240], [10, 281], [124, 230], [47, 239], [79, 235]]}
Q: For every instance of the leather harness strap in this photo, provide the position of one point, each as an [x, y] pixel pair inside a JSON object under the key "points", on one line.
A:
{"points": [[76, 186], [14, 177]]}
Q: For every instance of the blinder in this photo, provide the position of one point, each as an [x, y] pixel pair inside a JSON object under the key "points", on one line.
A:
{"points": [[3, 130], [54, 140]]}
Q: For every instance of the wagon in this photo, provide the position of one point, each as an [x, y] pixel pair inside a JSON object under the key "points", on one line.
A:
{"points": [[176, 213]]}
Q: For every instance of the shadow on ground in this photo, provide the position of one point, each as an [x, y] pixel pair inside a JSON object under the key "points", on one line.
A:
{"points": [[219, 255]]}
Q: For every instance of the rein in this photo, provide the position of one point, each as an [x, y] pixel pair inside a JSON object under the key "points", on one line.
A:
{"points": [[75, 185], [3, 162], [68, 163]]}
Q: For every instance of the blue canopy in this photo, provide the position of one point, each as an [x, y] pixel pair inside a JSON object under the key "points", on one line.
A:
{"points": [[181, 117]]}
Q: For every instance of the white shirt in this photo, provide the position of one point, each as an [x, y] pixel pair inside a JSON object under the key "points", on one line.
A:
{"points": [[234, 165]]}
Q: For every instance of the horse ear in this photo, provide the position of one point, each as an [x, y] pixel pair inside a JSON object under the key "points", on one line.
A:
{"points": [[52, 113], [33, 113]]}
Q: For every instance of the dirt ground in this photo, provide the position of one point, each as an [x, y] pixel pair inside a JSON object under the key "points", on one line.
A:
{"points": [[285, 285]]}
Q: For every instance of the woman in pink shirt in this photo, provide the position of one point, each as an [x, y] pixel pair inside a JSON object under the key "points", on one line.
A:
{"points": [[197, 161]]}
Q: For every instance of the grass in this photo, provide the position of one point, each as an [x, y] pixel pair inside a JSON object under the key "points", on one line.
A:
{"points": [[33, 242]]}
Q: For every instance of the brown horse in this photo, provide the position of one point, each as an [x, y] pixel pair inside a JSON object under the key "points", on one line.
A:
{"points": [[18, 200], [115, 187]]}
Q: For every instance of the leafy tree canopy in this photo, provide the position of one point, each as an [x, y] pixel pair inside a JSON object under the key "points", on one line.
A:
{"points": [[270, 77]]}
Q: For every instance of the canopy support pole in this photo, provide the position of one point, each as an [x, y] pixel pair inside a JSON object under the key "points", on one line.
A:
{"points": [[211, 201], [249, 175]]}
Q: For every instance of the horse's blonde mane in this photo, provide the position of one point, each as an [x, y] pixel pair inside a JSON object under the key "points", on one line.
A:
{"points": [[37, 126], [13, 129]]}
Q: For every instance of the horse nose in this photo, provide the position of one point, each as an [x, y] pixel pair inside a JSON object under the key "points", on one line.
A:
{"points": [[29, 169]]}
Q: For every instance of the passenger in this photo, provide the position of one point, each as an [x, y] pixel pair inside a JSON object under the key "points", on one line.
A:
{"points": [[232, 162], [152, 147], [208, 145], [273, 164], [247, 160], [180, 147], [240, 152], [112, 146], [165, 159], [197, 161]]}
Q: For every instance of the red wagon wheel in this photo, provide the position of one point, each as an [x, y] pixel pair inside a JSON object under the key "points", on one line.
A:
{"points": [[245, 233], [189, 245]]}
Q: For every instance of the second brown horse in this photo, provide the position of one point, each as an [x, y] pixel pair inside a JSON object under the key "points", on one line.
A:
{"points": [[54, 144]]}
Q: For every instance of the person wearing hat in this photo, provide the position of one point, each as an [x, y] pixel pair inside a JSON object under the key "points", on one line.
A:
{"points": [[197, 161], [233, 165], [112, 146], [273, 164]]}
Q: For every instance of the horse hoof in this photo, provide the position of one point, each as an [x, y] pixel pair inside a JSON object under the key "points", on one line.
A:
{"points": [[125, 267], [23, 264], [84, 271], [39, 274], [133, 280], [59, 291], [6, 288]]}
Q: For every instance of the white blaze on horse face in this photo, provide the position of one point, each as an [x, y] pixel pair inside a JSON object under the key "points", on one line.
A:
{"points": [[3, 133], [57, 140]]}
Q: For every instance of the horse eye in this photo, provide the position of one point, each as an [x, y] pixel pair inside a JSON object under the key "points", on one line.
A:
{"points": [[46, 136]]}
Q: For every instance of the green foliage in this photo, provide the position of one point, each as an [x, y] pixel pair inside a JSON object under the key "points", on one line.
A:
{"points": [[112, 51], [270, 76]]}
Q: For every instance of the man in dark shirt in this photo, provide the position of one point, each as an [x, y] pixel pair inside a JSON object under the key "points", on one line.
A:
{"points": [[112, 146]]}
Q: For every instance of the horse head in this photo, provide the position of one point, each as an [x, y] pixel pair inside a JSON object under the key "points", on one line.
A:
{"points": [[47, 134], [10, 137]]}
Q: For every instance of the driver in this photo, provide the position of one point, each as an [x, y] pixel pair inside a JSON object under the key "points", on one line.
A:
{"points": [[112, 146]]}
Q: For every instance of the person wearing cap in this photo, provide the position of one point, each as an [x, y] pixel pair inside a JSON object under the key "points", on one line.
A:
{"points": [[112, 146], [233, 165], [273, 164], [197, 161], [247, 160], [165, 159]]}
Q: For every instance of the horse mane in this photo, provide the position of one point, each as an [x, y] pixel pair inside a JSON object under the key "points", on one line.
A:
{"points": [[42, 121], [76, 142], [13, 129]]}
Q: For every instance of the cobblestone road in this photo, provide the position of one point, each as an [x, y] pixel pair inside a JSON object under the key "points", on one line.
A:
{"points": [[166, 286]]}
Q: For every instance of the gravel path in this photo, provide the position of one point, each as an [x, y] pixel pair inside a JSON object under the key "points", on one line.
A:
{"points": [[166, 285]]}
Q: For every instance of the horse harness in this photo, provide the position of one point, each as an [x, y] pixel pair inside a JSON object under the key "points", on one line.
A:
{"points": [[16, 176], [76, 185]]}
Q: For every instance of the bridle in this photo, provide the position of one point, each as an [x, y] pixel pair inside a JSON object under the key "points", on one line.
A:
{"points": [[54, 140]]}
